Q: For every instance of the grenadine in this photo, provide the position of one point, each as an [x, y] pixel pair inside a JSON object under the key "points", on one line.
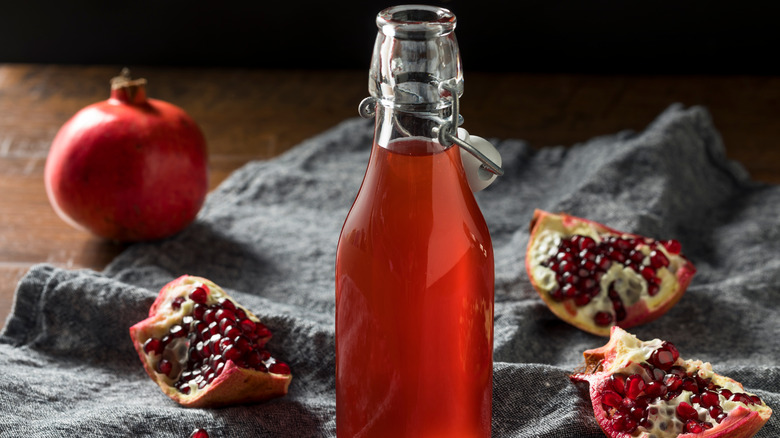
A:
{"points": [[128, 168], [645, 389], [203, 349], [595, 277]]}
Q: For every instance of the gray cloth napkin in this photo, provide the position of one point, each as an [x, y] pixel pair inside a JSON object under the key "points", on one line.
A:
{"points": [[268, 235]]}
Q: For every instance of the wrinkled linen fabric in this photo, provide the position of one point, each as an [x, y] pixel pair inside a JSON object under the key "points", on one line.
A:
{"points": [[268, 235]]}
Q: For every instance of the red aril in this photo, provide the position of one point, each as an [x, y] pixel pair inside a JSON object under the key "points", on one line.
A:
{"points": [[677, 399], [128, 168], [199, 433], [595, 277], [203, 349]]}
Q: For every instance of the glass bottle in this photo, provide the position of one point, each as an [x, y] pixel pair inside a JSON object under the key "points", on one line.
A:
{"points": [[414, 267]]}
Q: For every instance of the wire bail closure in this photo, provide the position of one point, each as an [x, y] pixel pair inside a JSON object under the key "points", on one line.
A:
{"points": [[447, 133]]}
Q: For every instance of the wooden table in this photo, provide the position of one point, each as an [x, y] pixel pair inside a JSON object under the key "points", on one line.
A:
{"points": [[255, 115]]}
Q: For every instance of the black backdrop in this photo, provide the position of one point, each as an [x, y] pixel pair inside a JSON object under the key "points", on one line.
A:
{"points": [[578, 36]]}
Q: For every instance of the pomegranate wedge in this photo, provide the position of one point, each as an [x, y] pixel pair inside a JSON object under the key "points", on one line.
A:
{"points": [[644, 389], [595, 277], [203, 349]]}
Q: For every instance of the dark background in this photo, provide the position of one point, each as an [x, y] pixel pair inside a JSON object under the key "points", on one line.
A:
{"points": [[536, 36]]}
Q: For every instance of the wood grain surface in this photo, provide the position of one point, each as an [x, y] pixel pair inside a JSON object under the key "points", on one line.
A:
{"points": [[257, 114]]}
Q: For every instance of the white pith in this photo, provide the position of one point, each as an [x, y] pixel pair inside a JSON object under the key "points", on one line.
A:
{"points": [[630, 352]]}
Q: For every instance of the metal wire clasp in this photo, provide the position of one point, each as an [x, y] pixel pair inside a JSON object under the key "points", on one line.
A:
{"points": [[447, 134]]}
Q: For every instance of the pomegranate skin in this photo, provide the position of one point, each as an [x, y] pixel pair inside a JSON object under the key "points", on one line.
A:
{"points": [[620, 354], [642, 310], [128, 168]]}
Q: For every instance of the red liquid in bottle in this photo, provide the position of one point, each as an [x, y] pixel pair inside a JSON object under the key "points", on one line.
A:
{"points": [[414, 301]]}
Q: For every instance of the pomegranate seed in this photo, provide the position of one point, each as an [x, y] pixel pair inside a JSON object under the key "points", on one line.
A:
{"points": [[741, 398], [620, 311], [587, 255], [726, 393], [689, 384], [247, 326], [655, 374], [618, 383], [709, 399], [637, 414], [603, 318], [253, 358], [176, 303], [634, 386], [567, 256], [231, 331], [624, 244], [177, 331], [623, 423], [586, 242], [226, 304], [225, 314], [569, 278], [199, 295], [648, 274], [198, 310], [687, 412], [655, 389], [590, 266], [222, 344], [603, 262], [569, 291], [636, 256], [164, 367], [658, 260], [582, 300], [653, 289], [612, 399], [672, 246], [232, 353], [755, 399], [566, 266], [213, 328], [692, 426], [662, 358], [672, 382], [262, 331], [715, 412], [209, 315], [279, 368], [617, 256], [153, 345], [242, 343]]}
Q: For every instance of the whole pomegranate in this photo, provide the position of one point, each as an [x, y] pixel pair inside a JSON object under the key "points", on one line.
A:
{"points": [[595, 277], [645, 389], [203, 349], [128, 168]]}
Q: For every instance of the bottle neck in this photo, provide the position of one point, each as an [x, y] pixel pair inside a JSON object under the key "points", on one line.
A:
{"points": [[394, 125], [415, 70]]}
